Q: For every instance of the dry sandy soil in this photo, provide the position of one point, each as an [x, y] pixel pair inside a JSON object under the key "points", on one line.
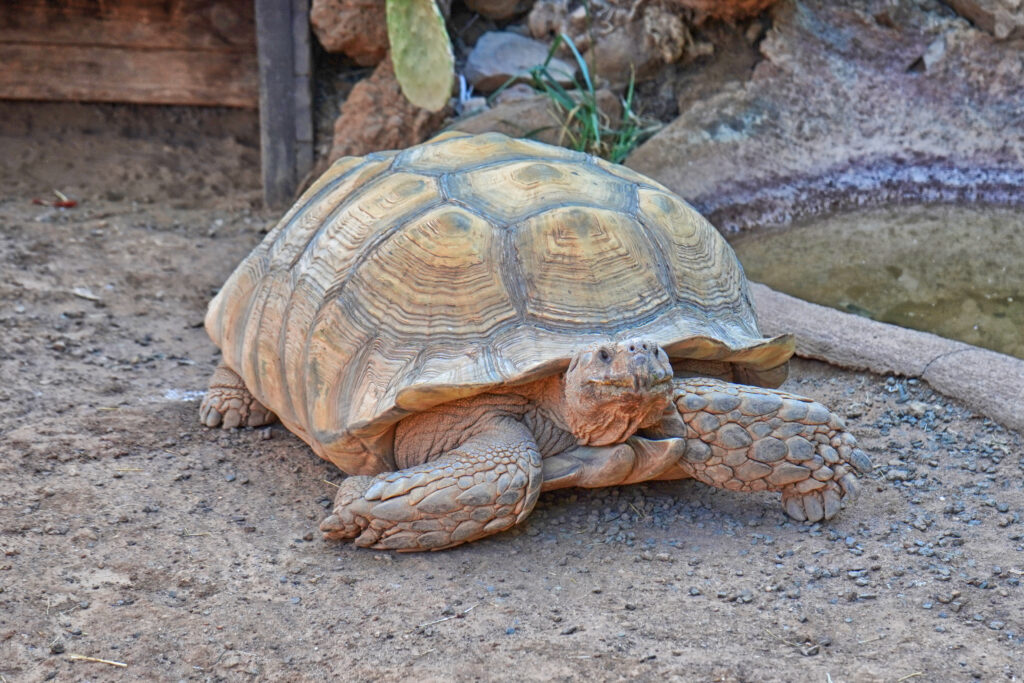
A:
{"points": [[130, 533]]}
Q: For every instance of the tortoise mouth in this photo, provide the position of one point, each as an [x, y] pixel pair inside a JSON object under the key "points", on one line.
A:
{"points": [[634, 381]]}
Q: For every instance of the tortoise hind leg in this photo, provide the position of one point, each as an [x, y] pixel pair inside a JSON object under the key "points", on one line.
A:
{"points": [[229, 404], [746, 438], [484, 486]]}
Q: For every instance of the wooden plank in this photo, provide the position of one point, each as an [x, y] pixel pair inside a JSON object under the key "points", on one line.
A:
{"points": [[113, 74], [275, 41], [219, 25], [303, 88]]}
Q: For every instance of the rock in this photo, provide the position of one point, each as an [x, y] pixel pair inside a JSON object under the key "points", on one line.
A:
{"points": [[356, 28], [534, 116], [841, 112], [632, 42], [517, 118], [988, 382], [1002, 18], [639, 47], [499, 9], [500, 55], [377, 116], [726, 10]]}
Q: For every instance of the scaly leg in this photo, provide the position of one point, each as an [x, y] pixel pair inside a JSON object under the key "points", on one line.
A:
{"points": [[638, 459], [484, 486], [229, 404], [746, 438]]}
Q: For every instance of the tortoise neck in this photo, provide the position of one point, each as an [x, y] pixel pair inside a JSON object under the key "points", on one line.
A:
{"points": [[548, 397]]}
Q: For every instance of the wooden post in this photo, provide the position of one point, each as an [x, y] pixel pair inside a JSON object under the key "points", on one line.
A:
{"points": [[286, 116]]}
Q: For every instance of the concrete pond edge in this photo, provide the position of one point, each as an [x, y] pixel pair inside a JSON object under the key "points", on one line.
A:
{"points": [[987, 382]]}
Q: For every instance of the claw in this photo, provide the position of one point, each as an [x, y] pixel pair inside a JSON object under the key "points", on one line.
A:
{"points": [[210, 417], [331, 523], [232, 419]]}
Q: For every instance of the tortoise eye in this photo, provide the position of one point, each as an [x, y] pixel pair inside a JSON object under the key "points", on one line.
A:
{"points": [[604, 355]]}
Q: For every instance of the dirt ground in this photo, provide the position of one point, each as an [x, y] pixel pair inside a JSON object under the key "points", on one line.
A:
{"points": [[130, 533]]}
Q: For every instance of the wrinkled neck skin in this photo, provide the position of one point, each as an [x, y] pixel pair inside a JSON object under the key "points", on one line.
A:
{"points": [[548, 398], [592, 421]]}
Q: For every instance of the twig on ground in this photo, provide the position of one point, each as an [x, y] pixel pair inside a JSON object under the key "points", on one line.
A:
{"points": [[913, 675], [84, 658], [453, 616]]}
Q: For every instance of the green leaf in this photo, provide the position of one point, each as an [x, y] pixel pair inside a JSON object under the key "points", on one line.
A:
{"points": [[421, 52]]}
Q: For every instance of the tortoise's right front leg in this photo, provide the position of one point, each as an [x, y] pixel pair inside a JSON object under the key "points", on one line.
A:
{"points": [[484, 486]]}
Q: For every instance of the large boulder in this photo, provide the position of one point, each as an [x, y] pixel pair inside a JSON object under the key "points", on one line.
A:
{"points": [[376, 116], [356, 28], [853, 103]]}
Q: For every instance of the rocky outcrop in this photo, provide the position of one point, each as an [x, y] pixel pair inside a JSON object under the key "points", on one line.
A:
{"points": [[861, 102], [1002, 18], [356, 28], [376, 116]]}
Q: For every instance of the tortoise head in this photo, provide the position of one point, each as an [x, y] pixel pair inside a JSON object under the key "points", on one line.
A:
{"points": [[612, 389]]}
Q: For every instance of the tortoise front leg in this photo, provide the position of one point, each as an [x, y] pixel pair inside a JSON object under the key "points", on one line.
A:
{"points": [[637, 460], [746, 438], [484, 486]]}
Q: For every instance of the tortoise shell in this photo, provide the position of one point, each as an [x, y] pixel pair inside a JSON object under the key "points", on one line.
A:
{"points": [[405, 279]]}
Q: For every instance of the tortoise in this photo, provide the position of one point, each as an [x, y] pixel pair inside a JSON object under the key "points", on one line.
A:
{"points": [[466, 323]]}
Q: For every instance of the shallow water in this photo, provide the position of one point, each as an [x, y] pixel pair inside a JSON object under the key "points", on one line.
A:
{"points": [[955, 271]]}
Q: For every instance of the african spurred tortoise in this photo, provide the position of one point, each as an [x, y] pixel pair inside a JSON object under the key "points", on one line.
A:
{"points": [[466, 323]]}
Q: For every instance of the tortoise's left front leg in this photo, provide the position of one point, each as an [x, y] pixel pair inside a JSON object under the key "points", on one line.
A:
{"points": [[746, 438]]}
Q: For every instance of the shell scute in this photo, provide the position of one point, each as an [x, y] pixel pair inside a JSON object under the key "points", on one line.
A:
{"points": [[515, 190]]}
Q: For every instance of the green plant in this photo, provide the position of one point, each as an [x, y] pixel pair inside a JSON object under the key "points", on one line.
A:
{"points": [[585, 127], [421, 52]]}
